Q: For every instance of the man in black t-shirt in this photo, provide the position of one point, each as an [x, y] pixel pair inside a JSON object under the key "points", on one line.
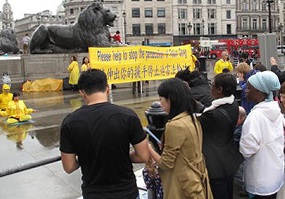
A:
{"points": [[97, 138]]}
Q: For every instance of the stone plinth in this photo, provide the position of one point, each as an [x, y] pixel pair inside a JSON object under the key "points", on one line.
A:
{"points": [[23, 67]]}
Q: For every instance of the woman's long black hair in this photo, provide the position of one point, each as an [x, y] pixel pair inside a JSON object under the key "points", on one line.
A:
{"points": [[181, 99]]}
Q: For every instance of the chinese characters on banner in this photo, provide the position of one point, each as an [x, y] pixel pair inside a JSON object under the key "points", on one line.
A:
{"points": [[139, 63]]}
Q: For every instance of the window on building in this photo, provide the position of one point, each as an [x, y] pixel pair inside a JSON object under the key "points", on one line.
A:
{"points": [[136, 29], [148, 12], [254, 24], [197, 13], [228, 1], [264, 24], [197, 29], [244, 6], [135, 0], [211, 1], [71, 11], [228, 13], [182, 13], [229, 29], [182, 1], [212, 28], [263, 6], [149, 29], [161, 28], [254, 6], [211, 13], [147, 0], [135, 12], [244, 24], [182, 28], [197, 1], [160, 12]]}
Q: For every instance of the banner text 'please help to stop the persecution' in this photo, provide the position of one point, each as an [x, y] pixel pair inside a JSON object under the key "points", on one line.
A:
{"points": [[139, 63]]}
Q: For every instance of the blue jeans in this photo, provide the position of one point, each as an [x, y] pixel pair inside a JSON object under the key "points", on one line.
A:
{"points": [[238, 179]]}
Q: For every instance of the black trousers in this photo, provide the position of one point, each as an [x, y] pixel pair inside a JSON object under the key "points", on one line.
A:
{"points": [[222, 188], [273, 196]]}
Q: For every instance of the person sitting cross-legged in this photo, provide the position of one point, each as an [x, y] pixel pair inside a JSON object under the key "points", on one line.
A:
{"points": [[17, 110]]}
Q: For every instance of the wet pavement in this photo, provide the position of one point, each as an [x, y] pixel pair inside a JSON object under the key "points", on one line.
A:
{"points": [[40, 140]]}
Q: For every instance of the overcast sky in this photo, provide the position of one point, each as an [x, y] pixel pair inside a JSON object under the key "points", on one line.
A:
{"points": [[20, 7]]}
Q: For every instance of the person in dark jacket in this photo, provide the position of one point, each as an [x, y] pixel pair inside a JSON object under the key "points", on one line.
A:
{"points": [[276, 70], [218, 122], [199, 84]]}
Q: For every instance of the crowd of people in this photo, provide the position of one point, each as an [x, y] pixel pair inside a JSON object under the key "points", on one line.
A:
{"points": [[210, 140]]}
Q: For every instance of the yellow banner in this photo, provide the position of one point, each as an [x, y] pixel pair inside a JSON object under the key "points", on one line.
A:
{"points": [[139, 63]]}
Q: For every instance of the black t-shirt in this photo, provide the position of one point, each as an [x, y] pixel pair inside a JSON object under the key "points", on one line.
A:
{"points": [[101, 135]]}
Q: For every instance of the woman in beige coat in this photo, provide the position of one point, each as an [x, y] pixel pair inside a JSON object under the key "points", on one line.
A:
{"points": [[181, 164]]}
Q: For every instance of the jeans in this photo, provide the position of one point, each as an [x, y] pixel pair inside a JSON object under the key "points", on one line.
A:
{"points": [[238, 179]]}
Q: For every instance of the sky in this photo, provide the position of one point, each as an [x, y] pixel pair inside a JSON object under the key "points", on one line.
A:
{"points": [[20, 7]]}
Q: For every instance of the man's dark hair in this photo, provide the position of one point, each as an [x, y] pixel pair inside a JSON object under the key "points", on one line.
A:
{"points": [[226, 70], [244, 55], [260, 67], [16, 94], [92, 81], [194, 78], [226, 81]]}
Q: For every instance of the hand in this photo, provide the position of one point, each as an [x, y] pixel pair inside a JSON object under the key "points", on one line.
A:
{"points": [[34, 110], [273, 61]]}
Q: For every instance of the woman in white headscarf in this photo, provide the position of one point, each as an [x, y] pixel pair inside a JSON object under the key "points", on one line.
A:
{"points": [[262, 138]]}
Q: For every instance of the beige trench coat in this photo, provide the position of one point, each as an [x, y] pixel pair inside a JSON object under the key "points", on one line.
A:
{"points": [[182, 167]]}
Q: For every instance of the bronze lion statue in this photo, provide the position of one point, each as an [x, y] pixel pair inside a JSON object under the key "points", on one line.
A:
{"points": [[91, 29], [8, 42]]}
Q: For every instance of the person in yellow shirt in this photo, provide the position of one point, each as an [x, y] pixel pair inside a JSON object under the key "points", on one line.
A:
{"points": [[5, 98], [85, 64], [223, 63], [17, 110], [73, 68]]}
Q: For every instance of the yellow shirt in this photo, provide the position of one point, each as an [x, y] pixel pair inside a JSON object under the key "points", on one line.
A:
{"points": [[85, 67], [17, 109], [5, 98], [221, 64]]}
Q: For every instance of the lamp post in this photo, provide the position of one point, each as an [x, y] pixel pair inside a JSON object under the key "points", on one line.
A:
{"points": [[280, 29], [203, 26], [269, 14], [189, 26], [125, 26]]}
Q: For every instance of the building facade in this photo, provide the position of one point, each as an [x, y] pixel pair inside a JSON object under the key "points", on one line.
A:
{"points": [[149, 22], [207, 18], [7, 16], [253, 17]]}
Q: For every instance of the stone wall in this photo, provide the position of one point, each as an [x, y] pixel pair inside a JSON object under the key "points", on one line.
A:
{"points": [[23, 67]]}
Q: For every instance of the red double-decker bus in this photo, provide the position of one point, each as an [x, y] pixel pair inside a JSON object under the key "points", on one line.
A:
{"points": [[235, 47]]}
